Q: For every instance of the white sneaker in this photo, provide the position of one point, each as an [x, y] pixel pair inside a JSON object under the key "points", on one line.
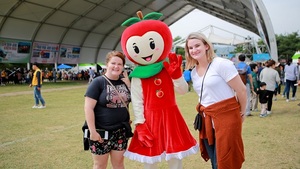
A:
{"points": [[269, 112], [263, 115], [287, 100], [35, 106], [41, 107], [293, 99]]}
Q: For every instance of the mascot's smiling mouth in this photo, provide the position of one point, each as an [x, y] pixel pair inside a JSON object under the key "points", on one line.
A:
{"points": [[148, 58]]}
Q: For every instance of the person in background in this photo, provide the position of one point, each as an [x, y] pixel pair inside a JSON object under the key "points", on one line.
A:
{"points": [[105, 112], [291, 74], [278, 85], [298, 63], [3, 77], [222, 103], [260, 68], [263, 99], [36, 83], [28, 76], [281, 75], [254, 100], [270, 76], [91, 74], [249, 85]]}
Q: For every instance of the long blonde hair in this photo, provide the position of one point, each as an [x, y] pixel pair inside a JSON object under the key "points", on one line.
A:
{"points": [[210, 53]]}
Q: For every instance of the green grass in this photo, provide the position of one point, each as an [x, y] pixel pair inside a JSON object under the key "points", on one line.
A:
{"points": [[46, 85], [51, 138]]}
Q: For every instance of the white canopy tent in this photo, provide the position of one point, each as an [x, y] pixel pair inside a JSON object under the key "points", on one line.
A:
{"points": [[210, 32]]}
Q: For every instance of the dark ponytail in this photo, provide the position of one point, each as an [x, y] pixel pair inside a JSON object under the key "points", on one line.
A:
{"points": [[289, 61]]}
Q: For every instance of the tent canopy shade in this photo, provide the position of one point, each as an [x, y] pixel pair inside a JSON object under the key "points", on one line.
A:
{"points": [[63, 66]]}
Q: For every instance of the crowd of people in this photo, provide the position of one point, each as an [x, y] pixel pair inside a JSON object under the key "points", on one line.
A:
{"points": [[24, 76], [277, 79], [266, 80]]}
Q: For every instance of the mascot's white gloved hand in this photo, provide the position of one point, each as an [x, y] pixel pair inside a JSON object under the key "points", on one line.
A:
{"points": [[144, 135], [174, 65]]}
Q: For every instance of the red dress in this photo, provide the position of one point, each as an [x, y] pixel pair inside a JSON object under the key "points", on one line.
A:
{"points": [[172, 138]]}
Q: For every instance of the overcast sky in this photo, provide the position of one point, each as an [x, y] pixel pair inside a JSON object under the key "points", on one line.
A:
{"points": [[284, 15]]}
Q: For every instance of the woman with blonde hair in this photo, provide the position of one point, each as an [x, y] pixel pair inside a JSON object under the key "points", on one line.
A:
{"points": [[222, 103]]}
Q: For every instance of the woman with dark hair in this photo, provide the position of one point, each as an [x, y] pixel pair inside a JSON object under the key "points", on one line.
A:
{"points": [[290, 71], [270, 76]]}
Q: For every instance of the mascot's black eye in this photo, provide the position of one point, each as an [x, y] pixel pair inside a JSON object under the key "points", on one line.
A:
{"points": [[152, 44], [136, 49]]}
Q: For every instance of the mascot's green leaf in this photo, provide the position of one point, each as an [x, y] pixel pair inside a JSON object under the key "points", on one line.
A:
{"points": [[153, 15], [149, 16], [131, 21]]}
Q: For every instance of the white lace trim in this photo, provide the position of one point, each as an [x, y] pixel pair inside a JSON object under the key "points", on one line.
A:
{"points": [[164, 156]]}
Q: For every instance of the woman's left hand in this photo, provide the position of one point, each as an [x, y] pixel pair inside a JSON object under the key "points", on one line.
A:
{"points": [[125, 79]]}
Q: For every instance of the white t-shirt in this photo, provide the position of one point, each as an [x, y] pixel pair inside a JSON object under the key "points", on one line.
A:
{"points": [[215, 88]]}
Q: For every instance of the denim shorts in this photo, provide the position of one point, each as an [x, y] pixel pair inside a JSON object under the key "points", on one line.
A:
{"points": [[116, 141]]}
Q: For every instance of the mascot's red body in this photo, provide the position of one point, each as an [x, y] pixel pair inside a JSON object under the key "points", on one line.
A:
{"points": [[161, 132]]}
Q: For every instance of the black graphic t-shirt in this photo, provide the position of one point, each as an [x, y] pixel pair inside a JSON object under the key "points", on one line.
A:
{"points": [[109, 110]]}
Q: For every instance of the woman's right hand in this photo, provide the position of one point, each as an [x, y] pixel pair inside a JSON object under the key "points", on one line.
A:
{"points": [[95, 136], [243, 117]]}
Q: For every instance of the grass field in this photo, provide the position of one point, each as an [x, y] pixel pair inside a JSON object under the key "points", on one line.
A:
{"points": [[51, 138]]}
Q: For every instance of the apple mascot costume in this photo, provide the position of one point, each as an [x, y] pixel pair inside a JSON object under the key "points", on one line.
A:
{"points": [[161, 132]]}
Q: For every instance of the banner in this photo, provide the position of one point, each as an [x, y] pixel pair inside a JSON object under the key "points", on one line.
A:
{"points": [[14, 51], [262, 57], [69, 54], [44, 52]]}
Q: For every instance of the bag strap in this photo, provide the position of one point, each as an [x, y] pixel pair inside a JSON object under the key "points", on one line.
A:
{"points": [[203, 82], [117, 92]]}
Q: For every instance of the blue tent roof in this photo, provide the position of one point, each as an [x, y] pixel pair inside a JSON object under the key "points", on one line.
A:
{"points": [[63, 66]]}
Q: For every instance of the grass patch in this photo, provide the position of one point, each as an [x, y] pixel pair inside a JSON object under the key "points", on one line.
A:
{"points": [[46, 85], [51, 138]]}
